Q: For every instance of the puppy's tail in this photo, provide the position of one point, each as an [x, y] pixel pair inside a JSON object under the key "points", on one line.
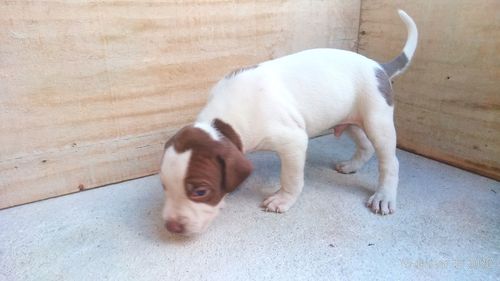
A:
{"points": [[399, 64]]}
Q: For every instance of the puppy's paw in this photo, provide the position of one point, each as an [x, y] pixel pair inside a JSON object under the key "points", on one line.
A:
{"points": [[383, 202], [280, 202], [347, 167]]}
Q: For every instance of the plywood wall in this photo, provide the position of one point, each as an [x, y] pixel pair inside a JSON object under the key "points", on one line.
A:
{"points": [[448, 102], [90, 91]]}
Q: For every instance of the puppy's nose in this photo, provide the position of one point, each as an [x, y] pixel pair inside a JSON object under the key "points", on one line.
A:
{"points": [[174, 226]]}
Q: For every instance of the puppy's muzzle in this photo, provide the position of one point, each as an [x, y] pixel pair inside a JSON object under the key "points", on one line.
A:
{"points": [[174, 226]]}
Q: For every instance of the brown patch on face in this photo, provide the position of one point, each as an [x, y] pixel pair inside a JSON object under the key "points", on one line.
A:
{"points": [[384, 86], [215, 167]]}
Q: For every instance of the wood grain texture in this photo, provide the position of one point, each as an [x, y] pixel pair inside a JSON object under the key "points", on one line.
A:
{"points": [[448, 102], [90, 91]]}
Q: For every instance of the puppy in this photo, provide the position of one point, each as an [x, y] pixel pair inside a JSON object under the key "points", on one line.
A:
{"points": [[278, 105]]}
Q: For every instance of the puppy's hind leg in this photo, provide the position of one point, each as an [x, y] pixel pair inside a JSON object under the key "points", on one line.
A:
{"points": [[379, 127], [364, 151]]}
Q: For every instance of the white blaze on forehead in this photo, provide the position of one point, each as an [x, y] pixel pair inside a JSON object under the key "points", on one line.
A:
{"points": [[174, 169], [214, 134]]}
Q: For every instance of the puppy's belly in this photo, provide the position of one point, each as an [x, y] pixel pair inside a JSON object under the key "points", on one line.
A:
{"points": [[325, 109], [338, 125], [337, 129]]}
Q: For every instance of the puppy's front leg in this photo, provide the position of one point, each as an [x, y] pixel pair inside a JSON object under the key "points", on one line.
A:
{"points": [[291, 149]]}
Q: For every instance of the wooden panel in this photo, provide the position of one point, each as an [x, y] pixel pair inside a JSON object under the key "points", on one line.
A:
{"points": [[448, 103], [90, 91]]}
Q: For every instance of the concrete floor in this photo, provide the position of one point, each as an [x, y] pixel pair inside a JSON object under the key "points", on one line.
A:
{"points": [[447, 227]]}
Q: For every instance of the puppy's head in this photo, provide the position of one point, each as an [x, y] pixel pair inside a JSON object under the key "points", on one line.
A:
{"points": [[200, 165]]}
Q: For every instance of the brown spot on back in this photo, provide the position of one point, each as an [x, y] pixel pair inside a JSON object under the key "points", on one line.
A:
{"points": [[384, 85], [240, 70]]}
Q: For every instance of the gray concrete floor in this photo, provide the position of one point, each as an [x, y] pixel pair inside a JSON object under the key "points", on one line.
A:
{"points": [[447, 227]]}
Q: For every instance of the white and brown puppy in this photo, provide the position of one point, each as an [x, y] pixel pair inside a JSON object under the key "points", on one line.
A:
{"points": [[278, 105]]}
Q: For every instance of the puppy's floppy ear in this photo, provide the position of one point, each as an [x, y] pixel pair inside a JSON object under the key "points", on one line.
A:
{"points": [[235, 168], [227, 131]]}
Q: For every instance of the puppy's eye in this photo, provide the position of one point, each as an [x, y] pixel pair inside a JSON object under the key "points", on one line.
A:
{"points": [[199, 192]]}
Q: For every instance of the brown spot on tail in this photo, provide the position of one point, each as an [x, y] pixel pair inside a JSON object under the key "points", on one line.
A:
{"points": [[384, 86]]}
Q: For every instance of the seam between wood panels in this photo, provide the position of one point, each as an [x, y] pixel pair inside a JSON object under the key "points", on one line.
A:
{"points": [[65, 149], [359, 26]]}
